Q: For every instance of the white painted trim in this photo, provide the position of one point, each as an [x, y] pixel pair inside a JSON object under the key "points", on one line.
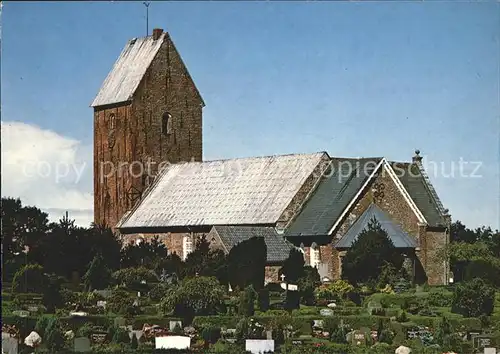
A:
{"points": [[405, 193], [351, 203]]}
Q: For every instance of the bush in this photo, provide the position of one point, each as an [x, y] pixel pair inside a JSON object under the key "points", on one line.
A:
{"points": [[29, 279], [120, 301], [247, 300], [134, 343], [158, 291], [211, 334], [440, 299], [334, 291], [263, 300], [473, 298], [54, 338], [194, 296], [121, 336], [132, 277]]}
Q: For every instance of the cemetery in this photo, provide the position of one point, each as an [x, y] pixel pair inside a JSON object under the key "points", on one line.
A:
{"points": [[151, 301]]}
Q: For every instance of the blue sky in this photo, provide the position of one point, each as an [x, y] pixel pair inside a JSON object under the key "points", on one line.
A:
{"points": [[354, 79]]}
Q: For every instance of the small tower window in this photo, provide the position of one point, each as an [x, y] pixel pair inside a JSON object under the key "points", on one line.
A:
{"points": [[166, 123], [112, 121]]}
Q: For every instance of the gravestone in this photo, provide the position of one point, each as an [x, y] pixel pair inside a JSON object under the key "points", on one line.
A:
{"points": [[172, 324], [482, 341], [82, 345], [358, 337], [269, 335], [317, 324], [490, 351], [33, 308], [21, 313], [138, 334], [326, 312], [472, 334], [102, 303], [9, 344], [119, 322]]}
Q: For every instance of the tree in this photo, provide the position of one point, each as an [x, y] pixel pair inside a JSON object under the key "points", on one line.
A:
{"points": [[246, 263], [29, 279], [247, 301], [145, 254], [121, 336], [368, 253], [293, 267], [22, 227], [132, 277], [205, 262], [98, 275], [134, 343], [263, 299], [473, 298], [199, 296], [309, 281], [52, 297]]}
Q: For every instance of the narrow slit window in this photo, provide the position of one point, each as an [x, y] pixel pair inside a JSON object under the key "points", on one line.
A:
{"points": [[166, 123], [112, 121]]}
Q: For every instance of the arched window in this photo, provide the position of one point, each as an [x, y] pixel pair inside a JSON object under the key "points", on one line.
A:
{"points": [[166, 123], [112, 121], [187, 246], [314, 255]]}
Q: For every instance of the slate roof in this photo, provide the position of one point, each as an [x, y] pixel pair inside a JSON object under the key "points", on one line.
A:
{"points": [[128, 70], [419, 190], [278, 248], [246, 191], [332, 196], [399, 238]]}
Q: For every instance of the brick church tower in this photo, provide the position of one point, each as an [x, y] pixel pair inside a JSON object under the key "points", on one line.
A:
{"points": [[147, 112]]}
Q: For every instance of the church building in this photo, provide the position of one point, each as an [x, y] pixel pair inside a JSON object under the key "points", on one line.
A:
{"points": [[150, 180]]}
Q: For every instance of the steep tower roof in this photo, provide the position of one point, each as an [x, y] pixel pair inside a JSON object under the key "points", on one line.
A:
{"points": [[129, 69]]}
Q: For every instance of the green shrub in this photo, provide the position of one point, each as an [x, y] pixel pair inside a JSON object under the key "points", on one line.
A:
{"points": [[211, 334], [263, 300], [473, 298], [158, 291], [121, 336], [440, 299], [132, 278], [247, 302], [29, 279], [54, 338]]}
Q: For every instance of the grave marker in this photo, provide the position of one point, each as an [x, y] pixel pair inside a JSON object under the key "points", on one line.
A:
{"points": [[81, 345]]}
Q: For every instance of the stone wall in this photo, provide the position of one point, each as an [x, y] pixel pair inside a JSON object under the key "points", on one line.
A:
{"points": [[397, 207], [130, 143]]}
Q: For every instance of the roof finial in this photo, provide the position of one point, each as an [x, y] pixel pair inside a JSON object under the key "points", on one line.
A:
{"points": [[417, 157]]}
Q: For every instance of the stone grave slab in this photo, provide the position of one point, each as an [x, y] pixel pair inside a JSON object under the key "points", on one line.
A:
{"points": [[326, 312], [81, 345], [172, 324]]}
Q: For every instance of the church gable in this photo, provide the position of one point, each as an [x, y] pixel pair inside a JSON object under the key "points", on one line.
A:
{"points": [[385, 192]]}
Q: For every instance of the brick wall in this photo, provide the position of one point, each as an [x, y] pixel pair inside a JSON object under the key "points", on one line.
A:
{"points": [[172, 240], [272, 274], [137, 134]]}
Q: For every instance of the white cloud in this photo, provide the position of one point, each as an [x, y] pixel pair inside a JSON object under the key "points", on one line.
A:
{"points": [[47, 170]]}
